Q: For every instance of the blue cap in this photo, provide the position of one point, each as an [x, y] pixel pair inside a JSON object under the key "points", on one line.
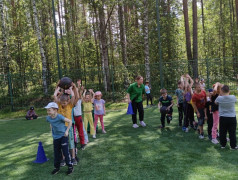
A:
{"points": [[210, 90]]}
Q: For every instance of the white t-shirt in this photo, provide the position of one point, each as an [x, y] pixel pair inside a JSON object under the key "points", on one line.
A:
{"points": [[78, 108]]}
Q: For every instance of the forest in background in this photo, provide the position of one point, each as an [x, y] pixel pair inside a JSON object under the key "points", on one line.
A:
{"points": [[108, 42]]}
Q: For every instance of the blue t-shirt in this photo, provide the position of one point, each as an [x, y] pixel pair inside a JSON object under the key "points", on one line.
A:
{"points": [[147, 89], [58, 125], [166, 102], [98, 106], [179, 94]]}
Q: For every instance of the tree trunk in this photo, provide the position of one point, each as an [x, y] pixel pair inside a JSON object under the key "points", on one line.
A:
{"points": [[236, 2], [146, 40], [43, 59], [195, 40], [96, 32], [123, 42], [104, 47], [187, 32], [61, 33], [4, 39]]}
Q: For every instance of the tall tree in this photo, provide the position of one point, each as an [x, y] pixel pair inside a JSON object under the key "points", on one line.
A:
{"points": [[187, 31], [146, 40], [195, 40], [4, 38], [123, 41], [42, 52]]}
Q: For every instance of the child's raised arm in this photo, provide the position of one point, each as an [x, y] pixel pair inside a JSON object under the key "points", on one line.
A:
{"points": [[182, 81], [56, 96], [191, 80], [92, 94]]}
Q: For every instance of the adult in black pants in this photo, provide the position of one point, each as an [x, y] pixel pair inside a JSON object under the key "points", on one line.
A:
{"points": [[227, 115], [134, 95]]}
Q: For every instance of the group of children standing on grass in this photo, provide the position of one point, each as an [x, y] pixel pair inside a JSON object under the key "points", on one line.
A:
{"points": [[65, 115], [215, 106]]}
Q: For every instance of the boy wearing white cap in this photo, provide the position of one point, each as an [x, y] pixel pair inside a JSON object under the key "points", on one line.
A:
{"points": [[60, 135]]}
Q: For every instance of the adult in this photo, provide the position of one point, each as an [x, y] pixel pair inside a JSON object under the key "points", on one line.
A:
{"points": [[135, 94]]}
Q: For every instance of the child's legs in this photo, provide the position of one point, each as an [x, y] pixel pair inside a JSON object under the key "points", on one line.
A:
{"points": [[180, 110], [215, 124], [186, 115], [57, 152], [85, 121], [101, 121], [134, 107], [232, 131], [191, 114], [71, 142], [85, 135], [95, 121], [65, 150], [79, 125], [201, 120], [147, 99], [162, 119], [90, 120], [223, 131], [209, 125], [150, 99], [141, 111]]}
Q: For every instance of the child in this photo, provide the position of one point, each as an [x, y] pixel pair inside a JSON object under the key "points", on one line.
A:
{"points": [[31, 114], [148, 95], [203, 85], [199, 101], [60, 135], [99, 111], [167, 103], [209, 113], [179, 93], [187, 103], [87, 110], [215, 112], [227, 115], [78, 116], [66, 105]]}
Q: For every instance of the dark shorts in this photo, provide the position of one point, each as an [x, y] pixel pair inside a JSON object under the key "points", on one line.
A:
{"points": [[202, 117]]}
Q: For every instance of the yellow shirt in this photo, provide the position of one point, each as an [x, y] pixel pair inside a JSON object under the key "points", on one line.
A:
{"points": [[66, 111], [87, 106]]}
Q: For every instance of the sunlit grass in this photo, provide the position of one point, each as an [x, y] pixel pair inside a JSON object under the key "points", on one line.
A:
{"points": [[122, 153]]}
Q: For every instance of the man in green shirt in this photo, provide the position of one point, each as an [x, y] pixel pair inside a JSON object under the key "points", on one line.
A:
{"points": [[135, 94]]}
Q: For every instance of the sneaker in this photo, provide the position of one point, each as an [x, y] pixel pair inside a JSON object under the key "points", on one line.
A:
{"points": [[183, 128], [161, 127], [235, 148], [186, 130], [210, 137], [142, 124], [82, 146], [70, 170], [74, 162], [222, 147], [94, 136], [201, 136], [215, 141], [135, 126], [104, 132], [62, 163], [55, 171]]}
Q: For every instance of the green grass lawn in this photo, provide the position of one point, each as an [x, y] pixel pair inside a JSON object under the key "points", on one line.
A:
{"points": [[122, 153]]}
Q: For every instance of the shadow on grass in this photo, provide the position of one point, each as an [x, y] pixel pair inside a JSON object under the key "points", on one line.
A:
{"points": [[122, 153]]}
